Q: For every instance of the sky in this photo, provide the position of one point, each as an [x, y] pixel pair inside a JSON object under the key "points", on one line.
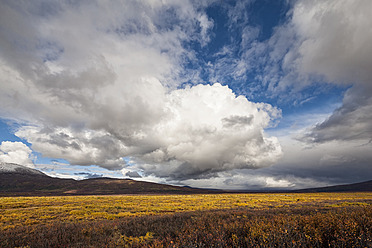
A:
{"points": [[254, 94]]}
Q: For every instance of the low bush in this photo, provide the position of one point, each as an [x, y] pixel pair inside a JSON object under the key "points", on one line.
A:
{"points": [[309, 226]]}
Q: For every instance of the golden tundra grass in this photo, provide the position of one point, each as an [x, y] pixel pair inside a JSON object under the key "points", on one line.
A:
{"points": [[30, 211]]}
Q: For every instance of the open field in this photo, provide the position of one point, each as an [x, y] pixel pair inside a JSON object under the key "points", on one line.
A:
{"points": [[213, 220]]}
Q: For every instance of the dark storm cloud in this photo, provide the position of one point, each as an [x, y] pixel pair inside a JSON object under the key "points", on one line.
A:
{"points": [[352, 121]]}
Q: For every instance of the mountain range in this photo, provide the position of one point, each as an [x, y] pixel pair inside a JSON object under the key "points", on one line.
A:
{"points": [[18, 180]]}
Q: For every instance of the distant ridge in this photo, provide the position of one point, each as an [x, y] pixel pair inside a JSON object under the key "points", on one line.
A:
{"points": [[355, 187], [18, 180]]}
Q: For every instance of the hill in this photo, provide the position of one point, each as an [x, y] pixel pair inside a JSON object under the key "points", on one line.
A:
{"points": [[17, 180], [355, 187], [18, 169]]}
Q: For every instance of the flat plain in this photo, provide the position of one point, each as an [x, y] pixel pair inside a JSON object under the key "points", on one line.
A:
{"points": [[197, 220]]}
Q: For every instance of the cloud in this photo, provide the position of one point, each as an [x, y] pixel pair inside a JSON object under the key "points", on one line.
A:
{"points": [[88, 175], [351, 121], [205, 129], [82, 147], [205, 26], [320, 43], [336, 41], [94, 82], [15, 152], [211, 130], [331, 162], [268, 178], [133, 174], [301, 166], [269, 65], [317, 43]]}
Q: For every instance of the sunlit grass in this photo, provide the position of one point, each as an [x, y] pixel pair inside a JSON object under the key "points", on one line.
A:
{"points": [[26, 211], [212, 220]]}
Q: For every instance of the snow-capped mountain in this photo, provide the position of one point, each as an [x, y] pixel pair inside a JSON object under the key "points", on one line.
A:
{"points": [[18, 169]]}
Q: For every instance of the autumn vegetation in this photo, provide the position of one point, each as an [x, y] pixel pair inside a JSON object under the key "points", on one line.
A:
{"points": [[211, 220]]}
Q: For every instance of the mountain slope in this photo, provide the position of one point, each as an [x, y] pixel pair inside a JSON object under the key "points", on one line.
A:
{"points": [[355, 187], [16, 180], [18, 169]]}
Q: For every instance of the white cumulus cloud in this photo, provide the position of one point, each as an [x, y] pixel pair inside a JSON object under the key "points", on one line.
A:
{"points": [[15, 152], [210, 129], [204, 129]]}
